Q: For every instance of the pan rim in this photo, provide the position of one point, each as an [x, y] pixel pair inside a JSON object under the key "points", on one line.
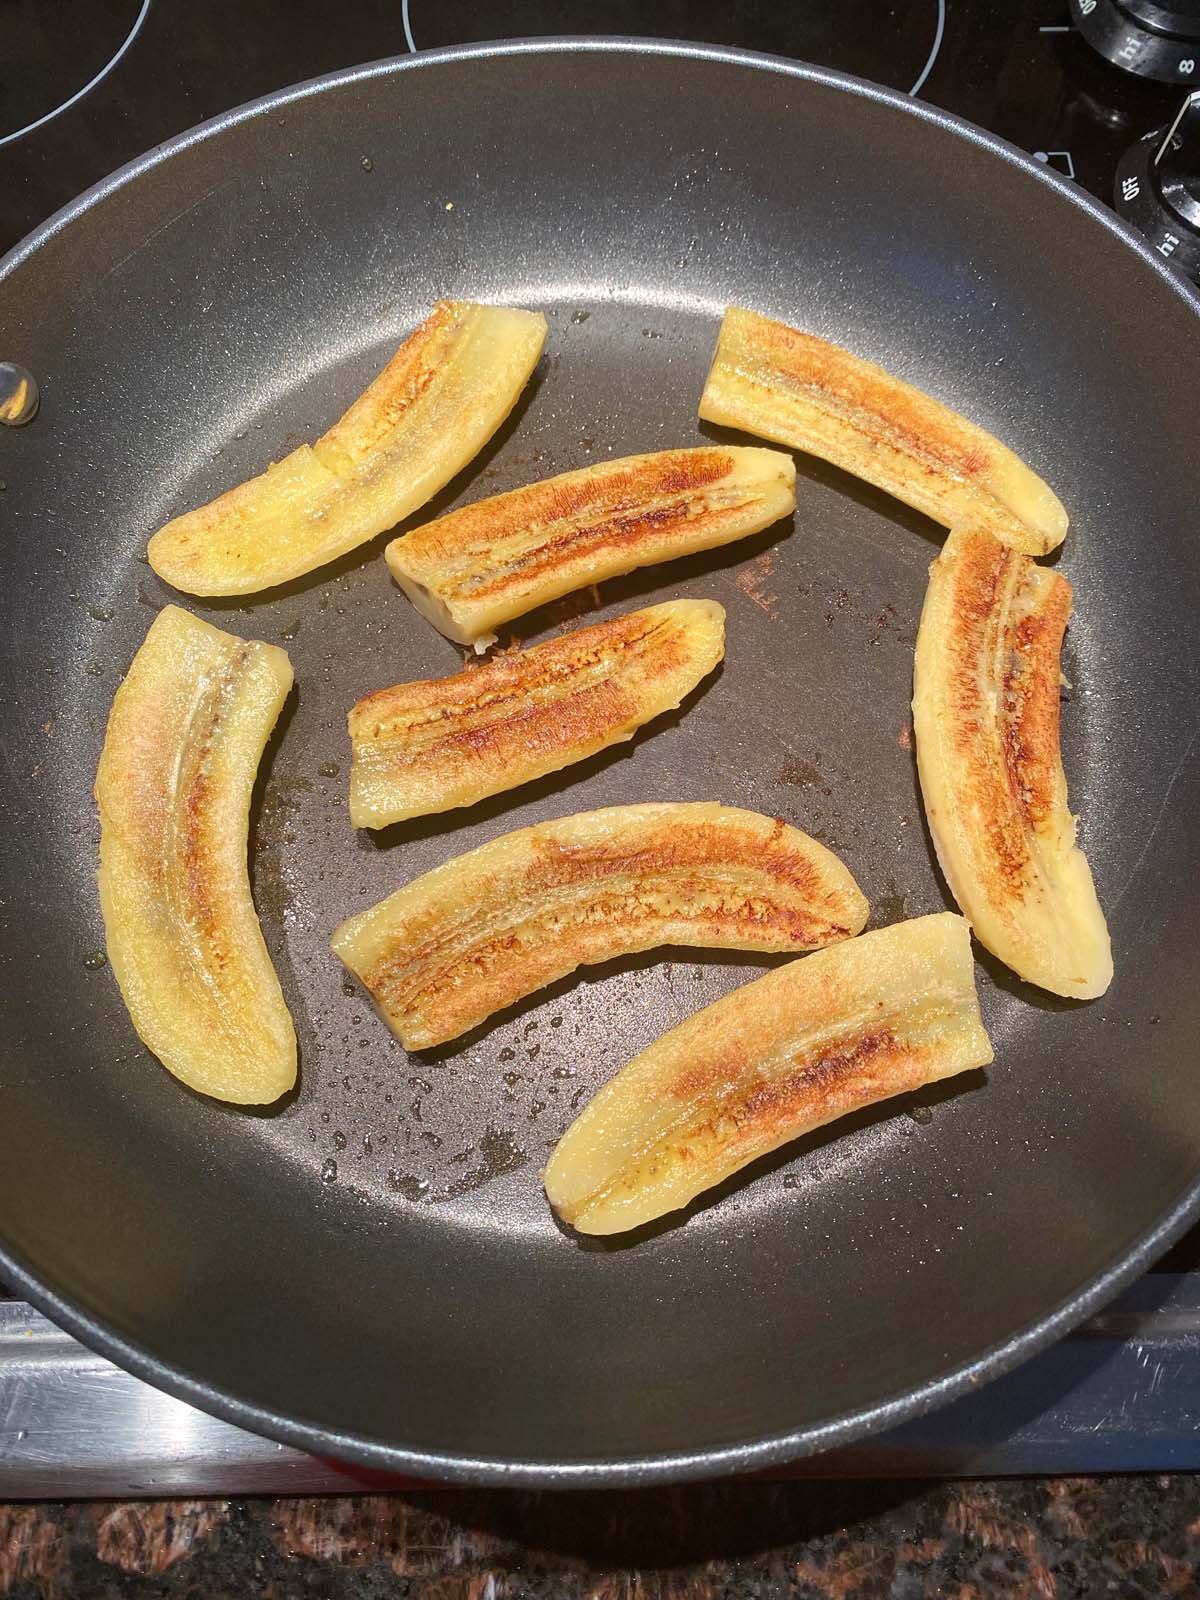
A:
{"points": [[669, 1466]]}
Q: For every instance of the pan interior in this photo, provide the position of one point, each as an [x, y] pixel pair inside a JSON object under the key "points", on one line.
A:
{"points": [[375, 1258]]}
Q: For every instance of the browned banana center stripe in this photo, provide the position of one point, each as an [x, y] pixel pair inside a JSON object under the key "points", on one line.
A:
{"points": [[837, 1080], [1030, 708], [650, 489], [717, 848], [552, 884], [981, 602], [834, 1078], [868, 405], [613, 533], [537, 674], [413, 978], [191, 814], [758, 904], [427, 937], [822, 1082], [406, 379], [1016, 614], [588, 713]]}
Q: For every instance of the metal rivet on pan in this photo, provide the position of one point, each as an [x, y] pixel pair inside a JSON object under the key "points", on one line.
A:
{"points": [[18, 395]]}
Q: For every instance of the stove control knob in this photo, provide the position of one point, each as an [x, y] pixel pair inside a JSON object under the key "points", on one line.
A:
{"points": [[1157, 39], [1157, 188]]}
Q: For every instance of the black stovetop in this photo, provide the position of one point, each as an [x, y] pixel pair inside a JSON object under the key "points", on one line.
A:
{"points": [[1018, 68]]}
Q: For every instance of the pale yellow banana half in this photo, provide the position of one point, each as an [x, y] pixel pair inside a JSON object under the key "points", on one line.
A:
{"points": [[445, 742], [487, 928], [432, 408], [487, 563], [812, 1041], [986, 721], [185, 735], [774, 381]]}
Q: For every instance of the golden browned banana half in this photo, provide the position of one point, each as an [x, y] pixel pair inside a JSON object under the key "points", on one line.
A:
{"points": [[446, 742], [495, 560], [434, 406], [810, 1042], [986, 719], [781, 384], [490, 927], [185, 734]]}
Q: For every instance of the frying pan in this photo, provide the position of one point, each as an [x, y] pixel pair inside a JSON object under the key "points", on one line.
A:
{"points": [[370, 1269]]}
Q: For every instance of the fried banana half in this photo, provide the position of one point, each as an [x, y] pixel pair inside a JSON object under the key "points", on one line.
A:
{"points": [[434, 406], [810, 1042], [487, 928], [447, 742], [492, 561], [986, 721], [781, 384], [185, 735]]}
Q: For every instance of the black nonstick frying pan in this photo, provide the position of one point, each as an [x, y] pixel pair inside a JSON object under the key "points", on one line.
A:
{"points": [[370, 1269]]}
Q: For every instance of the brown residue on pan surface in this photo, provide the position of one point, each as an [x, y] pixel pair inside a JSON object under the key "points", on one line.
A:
{"points": [[752, 580]]}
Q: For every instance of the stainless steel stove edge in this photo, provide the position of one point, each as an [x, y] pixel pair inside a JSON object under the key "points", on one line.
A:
{"points": [[1121, 1394]]}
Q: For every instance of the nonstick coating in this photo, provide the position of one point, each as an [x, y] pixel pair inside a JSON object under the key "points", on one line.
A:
{"points": [[371, 1269]]}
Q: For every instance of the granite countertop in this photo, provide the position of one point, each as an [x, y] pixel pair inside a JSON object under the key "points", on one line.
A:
{"points": [[1036, 1539]]}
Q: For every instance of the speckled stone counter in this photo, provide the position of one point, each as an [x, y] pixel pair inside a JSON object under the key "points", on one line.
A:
{"points": [[1034, 1539]]}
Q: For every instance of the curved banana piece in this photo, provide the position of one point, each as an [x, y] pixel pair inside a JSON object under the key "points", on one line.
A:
{"points": [[494, 560], [772, 380], [434, 406], [489, 927], [810, 1042], [433, 745], [985, 717], [185, 734]]}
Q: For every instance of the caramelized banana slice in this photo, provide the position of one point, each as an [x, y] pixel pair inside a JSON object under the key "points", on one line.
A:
{"points": [[434, 406], [185, 734], [799, 390], [487, 928], [985, 715], [441, 743], [499, 558], [810, 1042]]}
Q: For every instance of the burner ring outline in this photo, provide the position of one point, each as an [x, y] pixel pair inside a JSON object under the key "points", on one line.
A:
{"points": [[935, 49], [40, 122], [933, 54]]}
